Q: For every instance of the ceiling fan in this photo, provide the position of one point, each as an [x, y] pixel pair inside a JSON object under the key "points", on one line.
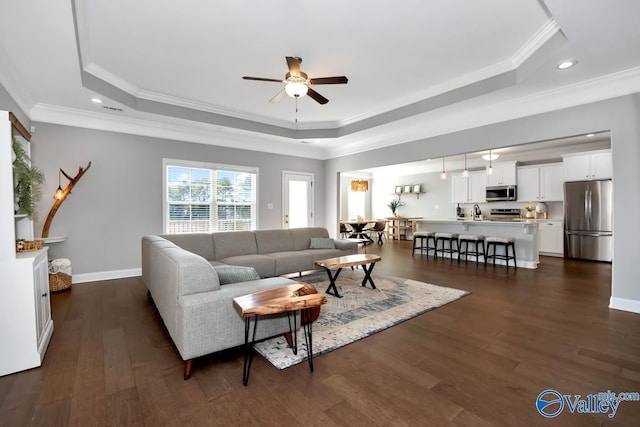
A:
{"points": [[297, 83]]}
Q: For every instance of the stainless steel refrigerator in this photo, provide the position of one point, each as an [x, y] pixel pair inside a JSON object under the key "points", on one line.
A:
{"points": [[588, 231]]}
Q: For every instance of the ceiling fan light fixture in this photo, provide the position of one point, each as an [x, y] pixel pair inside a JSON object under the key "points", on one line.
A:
{"points": [[296, 90]]}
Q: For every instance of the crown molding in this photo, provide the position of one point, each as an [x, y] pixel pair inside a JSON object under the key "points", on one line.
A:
{"points": [[597, 89], [391, 110], [467, 117], [175, 129], [536, 42]]}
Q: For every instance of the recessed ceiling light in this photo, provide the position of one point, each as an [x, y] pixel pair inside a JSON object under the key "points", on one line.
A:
{"points": [[96, 100], [589, 135], [566, 64]]}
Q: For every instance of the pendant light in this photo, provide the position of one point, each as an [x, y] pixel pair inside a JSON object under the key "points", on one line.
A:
{"points": [[59, 192], [443, 175], [465, 172], [490, 170], [359, 185]]}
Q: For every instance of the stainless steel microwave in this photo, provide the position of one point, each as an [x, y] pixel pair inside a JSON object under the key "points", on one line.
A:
{"points": [[501, 193]]}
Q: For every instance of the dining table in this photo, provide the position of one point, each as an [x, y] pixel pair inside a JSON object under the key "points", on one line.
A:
{"points": [[358, 227]]}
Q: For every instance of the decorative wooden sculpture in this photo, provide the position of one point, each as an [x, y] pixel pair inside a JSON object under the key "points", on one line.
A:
{"points": [[65, 193]]}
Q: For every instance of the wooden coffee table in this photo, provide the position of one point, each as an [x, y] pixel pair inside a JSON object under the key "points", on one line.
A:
{"points": [[367, 261], [289, 299]]}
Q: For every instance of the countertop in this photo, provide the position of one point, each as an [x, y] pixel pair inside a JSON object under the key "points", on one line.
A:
{"points": [[489, 221]]}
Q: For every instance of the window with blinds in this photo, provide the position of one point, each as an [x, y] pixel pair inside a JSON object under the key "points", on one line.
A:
{"points": [[207, 197]]}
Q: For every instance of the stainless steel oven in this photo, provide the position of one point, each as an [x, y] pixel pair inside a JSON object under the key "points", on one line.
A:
{"points": [[501, 193]]}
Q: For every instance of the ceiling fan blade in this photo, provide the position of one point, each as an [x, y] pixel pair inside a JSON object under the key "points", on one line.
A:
{"points": [[293, 62], [262, 79], [316, 96], [278, 96], [329, 80]]}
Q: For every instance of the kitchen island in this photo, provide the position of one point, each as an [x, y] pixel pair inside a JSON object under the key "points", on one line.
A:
{"points": [[525, 233]]}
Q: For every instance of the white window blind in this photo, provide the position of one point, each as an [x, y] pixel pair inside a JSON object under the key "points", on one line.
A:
{"points": [[206, 197]]}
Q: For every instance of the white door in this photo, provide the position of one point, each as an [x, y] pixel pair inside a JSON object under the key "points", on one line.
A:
{"points": [[297, 200]]}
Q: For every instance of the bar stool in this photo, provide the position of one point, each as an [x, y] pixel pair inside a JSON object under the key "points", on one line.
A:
{"points": [[425, 237], [506, 243], [446, 237], [475, 239]]}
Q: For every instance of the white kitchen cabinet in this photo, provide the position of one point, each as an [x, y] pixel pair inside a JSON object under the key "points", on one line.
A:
{"points": [[25, 307], [504, 173], [471, 189], [541, 183], [551, 238], [588, 166]]}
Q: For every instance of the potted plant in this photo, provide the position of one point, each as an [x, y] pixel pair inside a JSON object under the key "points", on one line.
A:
{"points": [[530, 211], [27, 180], [394, 205]]}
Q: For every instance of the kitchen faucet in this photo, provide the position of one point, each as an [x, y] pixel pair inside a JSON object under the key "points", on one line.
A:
{"points": [[476, 211]]}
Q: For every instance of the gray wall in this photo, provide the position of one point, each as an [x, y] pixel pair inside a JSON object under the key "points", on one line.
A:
{"points": [[120, 198], [621, 116]]}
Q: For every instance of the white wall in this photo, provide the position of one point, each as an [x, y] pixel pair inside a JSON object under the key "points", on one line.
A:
{"points": [[434, 203]]}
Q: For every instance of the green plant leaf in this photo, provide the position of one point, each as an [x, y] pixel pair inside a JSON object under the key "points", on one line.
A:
{"points": [[28, 180]]}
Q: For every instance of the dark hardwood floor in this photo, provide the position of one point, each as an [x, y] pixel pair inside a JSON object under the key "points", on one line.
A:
{"points": [[479, 361]]}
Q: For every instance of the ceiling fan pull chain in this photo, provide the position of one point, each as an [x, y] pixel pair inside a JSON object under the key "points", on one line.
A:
{"points": [[296, 109]]}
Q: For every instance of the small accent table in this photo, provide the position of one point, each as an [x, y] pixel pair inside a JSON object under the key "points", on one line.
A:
{"points": [[289, 299], [367, 261]]}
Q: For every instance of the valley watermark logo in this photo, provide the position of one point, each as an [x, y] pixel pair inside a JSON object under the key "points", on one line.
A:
{"points": [[551, 403]]}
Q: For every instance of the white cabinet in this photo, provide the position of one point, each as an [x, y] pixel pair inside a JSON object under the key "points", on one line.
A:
{"points": [[504, 173], [551, 238], [542, 183], [588, 165], [25, 312], [471, 189], [25, 307]]}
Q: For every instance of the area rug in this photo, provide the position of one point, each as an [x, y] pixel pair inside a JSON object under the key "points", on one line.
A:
{"points": [[360, 313]]}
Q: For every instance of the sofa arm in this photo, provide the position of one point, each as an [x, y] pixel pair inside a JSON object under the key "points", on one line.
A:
{"points": [[344, 244], [207, 322]]}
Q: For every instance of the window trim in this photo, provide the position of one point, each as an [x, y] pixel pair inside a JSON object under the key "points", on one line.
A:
{"points": [[203, 165]]}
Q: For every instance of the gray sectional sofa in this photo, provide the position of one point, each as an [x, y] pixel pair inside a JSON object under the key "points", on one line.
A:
{"points": [[193, 279]]}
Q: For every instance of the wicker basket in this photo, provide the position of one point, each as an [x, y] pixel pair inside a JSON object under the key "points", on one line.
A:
{"points": [[59, 282], [29, 245]]}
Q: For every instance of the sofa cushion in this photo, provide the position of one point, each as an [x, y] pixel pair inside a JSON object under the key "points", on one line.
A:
{"points": [[234, 243], [302, 236], [198, 243], [269, 241], [291, 262], [235, 273], [264, 264], [321, 243]]}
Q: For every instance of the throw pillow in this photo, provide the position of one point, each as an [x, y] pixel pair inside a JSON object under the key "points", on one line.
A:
{"points": [[322, 243], [235, 273]]}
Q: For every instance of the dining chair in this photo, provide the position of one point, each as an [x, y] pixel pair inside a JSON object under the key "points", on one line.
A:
{"points": [[379, 228], [345, 231]]}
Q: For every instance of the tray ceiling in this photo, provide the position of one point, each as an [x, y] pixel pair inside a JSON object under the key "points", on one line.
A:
{"points": [[411, 67]]}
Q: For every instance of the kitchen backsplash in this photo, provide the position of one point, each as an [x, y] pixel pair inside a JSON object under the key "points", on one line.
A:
{"points": [[554, 209]]}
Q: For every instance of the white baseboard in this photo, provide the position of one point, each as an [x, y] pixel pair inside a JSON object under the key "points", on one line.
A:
{"points": [[106, 275], [625, 304]]}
